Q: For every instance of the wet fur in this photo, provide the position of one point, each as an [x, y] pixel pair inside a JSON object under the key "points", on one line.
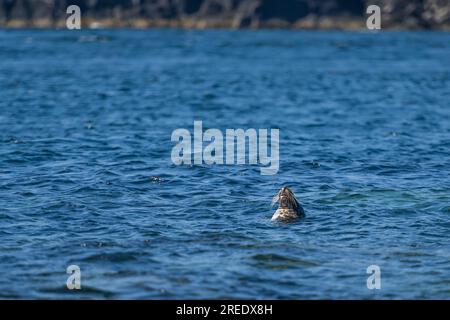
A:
{"points": [[290, 209]]}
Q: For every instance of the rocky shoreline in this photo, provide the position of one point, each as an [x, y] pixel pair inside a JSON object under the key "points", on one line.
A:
{"points": [[253, 14]]}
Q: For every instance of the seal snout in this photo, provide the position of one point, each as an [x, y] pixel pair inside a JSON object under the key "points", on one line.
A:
{"points": [[284, 198]]}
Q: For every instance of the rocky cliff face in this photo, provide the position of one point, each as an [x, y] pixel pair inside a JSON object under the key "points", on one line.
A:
{"points": [[347, 14]]}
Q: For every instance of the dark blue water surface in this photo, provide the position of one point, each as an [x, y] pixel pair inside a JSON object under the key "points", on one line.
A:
{"points": [[86, 175]]}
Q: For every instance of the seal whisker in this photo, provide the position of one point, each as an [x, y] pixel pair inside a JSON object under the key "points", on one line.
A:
{"points": [[275, 198]]}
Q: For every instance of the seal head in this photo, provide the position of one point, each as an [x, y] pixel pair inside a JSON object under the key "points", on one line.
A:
{"points": [[289, 209]]}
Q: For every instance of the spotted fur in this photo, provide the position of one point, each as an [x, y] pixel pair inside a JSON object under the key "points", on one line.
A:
{"points": [[289, 208]]}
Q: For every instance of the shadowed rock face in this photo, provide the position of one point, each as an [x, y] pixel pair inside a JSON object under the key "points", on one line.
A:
{"points": [[347, 14]]}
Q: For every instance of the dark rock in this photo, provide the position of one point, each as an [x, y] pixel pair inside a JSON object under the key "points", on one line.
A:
{"points": [[347, 14]]}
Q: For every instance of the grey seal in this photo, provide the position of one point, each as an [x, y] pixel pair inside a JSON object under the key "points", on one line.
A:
{"points": [[289, 209]]}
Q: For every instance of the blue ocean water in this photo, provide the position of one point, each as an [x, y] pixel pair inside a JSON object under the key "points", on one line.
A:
{"points": [[86, 176]]}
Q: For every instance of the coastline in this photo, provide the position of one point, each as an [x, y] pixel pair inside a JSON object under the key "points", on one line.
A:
{"points": [[229, 14], [349, 23]]}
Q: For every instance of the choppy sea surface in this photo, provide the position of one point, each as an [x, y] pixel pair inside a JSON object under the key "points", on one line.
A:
{"points": [[86, 119]]}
